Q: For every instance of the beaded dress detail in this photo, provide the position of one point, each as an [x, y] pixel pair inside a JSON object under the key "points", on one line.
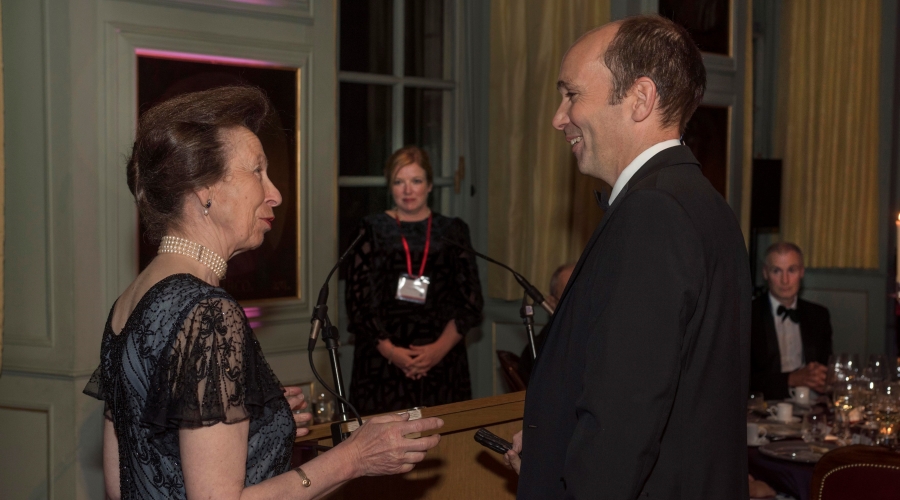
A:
{"points": [[454, 293], [187, 358]]}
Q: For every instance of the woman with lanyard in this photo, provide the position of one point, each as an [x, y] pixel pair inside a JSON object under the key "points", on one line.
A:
{"points": [[411, 298]]}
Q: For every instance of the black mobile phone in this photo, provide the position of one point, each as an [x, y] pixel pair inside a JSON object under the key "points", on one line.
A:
{"points": [[490, 440]]}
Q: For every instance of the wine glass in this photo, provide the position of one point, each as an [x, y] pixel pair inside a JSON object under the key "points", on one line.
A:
{"points": [[814, 427], [845, 397], [886, 409], [876, 369], [841, 368]]}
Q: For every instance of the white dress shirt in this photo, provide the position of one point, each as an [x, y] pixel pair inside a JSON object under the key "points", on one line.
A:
{"points": [[790, 345], [637, 163]]}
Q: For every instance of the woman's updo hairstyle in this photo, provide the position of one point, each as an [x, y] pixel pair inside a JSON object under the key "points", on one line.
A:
{"points": [[178, 148]]}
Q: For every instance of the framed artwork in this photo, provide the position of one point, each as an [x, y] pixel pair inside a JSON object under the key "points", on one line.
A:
{"points": [[707, 135], [272, 270], [708, 22]]}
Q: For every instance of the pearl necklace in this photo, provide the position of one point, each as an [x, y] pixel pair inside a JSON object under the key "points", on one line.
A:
{"points": [[174, 244]]}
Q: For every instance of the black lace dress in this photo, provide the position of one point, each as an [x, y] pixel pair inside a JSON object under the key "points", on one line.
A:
{"points": [[187, 358], [374, 312]]}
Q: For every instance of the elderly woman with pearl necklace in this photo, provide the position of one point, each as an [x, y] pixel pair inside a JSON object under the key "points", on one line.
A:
{"points": [[192, 408]]}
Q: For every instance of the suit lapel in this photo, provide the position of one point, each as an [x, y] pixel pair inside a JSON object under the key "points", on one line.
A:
{"points": [[672, 156]]}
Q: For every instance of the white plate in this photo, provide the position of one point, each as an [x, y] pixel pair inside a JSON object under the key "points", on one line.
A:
{"points": [[796, 451], [794, 420]]}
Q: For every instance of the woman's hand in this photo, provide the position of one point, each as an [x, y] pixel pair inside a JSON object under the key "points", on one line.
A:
{"points": [[379, 446], [428, 355], [298, 403], [513, 460], [401, 357]]}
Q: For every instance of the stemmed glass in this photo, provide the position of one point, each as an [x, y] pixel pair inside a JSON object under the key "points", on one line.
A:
{"points": [[876, 369], [842, 368], [815, 427], [845, 396], [886, 409]]}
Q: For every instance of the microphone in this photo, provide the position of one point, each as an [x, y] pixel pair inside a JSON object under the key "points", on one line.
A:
{"points": [[530, 289], [321, 310], [319, 322]]}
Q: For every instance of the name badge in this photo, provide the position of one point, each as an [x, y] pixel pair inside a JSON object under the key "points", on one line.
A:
{"points": [[411, 289]]}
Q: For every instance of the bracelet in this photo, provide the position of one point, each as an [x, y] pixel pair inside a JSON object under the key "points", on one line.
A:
{"points": [[306, 481]]}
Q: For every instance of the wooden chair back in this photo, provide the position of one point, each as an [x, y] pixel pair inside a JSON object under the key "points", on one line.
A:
{"points": [[509, 363], [857, 472]]}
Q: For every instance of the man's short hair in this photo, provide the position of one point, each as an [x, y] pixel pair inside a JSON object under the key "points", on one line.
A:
{"points": [[663, 51], [782, 247], [554, 279]]}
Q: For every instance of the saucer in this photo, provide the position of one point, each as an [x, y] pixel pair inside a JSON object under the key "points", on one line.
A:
{"points": [[761, 441], [793, 420]]}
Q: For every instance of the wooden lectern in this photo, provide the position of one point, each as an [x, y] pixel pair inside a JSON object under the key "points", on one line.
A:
{"points": [[456, 468]]}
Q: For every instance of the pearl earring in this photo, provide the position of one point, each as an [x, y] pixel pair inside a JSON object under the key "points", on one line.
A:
{"points": [[206, 208]]}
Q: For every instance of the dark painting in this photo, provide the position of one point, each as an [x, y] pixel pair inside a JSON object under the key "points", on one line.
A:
{"points": [[707, 136], [708, 22], [270, 271]]}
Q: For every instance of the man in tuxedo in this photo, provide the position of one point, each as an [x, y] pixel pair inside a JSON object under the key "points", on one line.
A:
{"points": [[790, 339], [640, 389]]}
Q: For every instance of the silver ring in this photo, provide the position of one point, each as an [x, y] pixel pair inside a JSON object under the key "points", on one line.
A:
{"points": [[297, 412]]}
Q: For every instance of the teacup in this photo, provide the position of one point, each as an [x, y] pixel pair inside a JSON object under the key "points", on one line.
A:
{"points": [[783, 412], [800, 395], [755, 434]]}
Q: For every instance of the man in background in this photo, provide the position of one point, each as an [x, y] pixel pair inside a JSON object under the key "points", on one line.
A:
{"points": [[558, 282], [790, 338], [640, 389]]}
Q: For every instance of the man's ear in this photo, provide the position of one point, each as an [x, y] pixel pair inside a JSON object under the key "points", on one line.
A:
{"points": [[644, 99]]}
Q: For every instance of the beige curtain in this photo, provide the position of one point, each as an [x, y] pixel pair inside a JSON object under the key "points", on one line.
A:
{"points": [[541, 209], [827, 130]]}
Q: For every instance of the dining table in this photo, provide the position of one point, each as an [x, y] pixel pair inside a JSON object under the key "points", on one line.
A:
{"points": [[792, 476]]}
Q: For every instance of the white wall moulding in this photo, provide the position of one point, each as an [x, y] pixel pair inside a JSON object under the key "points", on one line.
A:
{"points": [[294, 9], [28, 152]]}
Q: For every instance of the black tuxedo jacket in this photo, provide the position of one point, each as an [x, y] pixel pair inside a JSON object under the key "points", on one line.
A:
{"points": [[640, 389], [765, 356]]}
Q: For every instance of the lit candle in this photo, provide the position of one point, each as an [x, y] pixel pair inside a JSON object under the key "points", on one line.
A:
{"points": [[897, 222]]}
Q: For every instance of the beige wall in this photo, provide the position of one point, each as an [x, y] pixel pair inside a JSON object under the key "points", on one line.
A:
{"points": [[2, 187]]}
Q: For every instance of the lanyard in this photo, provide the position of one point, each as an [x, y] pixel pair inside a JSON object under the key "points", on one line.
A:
{"points": [[406, 248]]}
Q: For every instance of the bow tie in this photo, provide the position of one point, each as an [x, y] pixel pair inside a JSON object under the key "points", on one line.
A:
{"points": [[786, 313]]}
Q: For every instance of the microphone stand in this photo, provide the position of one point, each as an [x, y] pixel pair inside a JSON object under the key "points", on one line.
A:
{"points": [[332, 339], [527, 314], [321, 323], [530, 289]]}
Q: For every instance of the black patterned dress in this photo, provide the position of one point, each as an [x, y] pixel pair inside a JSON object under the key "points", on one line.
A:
{"points": [[454, 293], [187, 358]]}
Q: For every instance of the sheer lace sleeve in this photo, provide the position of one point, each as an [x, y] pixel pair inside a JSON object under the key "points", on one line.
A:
{"points": [[364, 295], [467, 301], [211, 372]]}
